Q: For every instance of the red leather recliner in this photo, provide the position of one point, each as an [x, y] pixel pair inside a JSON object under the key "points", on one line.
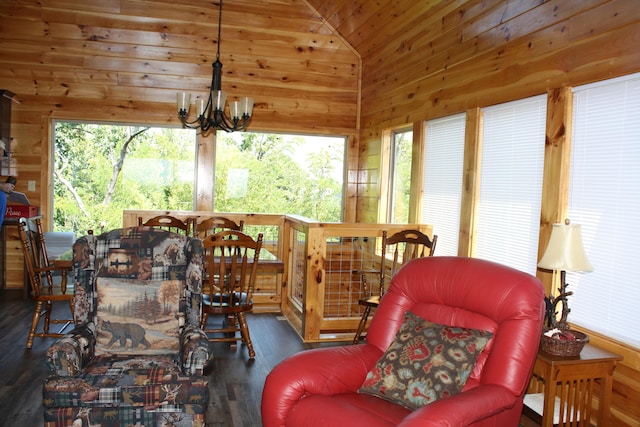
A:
{"points": [[319, 387]]}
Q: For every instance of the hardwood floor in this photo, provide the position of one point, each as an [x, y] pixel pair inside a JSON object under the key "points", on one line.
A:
{"points": [[236, 383]]}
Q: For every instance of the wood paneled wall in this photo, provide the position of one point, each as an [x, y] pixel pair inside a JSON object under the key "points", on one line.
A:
{"points": [[123, 61], [431, 59], [344, 67], [457, 56]]}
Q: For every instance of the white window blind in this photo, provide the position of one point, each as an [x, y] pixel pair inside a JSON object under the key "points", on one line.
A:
{"points": [[443, 163], [604, 198], [508, 218]]}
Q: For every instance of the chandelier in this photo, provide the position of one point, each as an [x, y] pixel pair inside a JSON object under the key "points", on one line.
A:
{"points": [[211, 114]]}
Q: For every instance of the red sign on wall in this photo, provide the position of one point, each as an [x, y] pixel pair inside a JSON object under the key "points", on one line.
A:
{"points": [[22, 211]]}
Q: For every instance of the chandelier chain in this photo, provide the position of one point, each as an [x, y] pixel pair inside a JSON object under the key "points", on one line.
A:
{"points": [[219, 27]]}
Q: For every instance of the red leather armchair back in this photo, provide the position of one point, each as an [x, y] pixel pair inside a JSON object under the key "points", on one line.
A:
{"points": [[471, 293]]}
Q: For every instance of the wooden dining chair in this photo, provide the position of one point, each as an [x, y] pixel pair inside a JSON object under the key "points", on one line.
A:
{"points": [[169, 223], [44, 288], [214, 224], [230, 264], [402, 247]]}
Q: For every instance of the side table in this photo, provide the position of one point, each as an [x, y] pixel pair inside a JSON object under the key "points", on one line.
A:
{"points": [[562, 389]]}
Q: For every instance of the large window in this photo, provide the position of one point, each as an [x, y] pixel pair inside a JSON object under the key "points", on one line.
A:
{"points": [[508, 217], [604, 199], [443, 166], [399, 176], [273, 173], [100, 170]]}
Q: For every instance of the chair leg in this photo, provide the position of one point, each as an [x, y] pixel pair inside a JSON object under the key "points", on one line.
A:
{"points": [[230, 324], [65, 322], [35, 319], [73, 311], [362, 324], [246, 338], [47, 317], [203, 322]]}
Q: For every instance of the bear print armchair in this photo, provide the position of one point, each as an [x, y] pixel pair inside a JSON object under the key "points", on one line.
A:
{"points": [[137, 354]]}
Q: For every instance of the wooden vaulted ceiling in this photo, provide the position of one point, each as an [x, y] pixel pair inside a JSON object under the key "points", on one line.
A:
{"points": [[367, 25], [115, 55], [340, 67], [300, 59]]}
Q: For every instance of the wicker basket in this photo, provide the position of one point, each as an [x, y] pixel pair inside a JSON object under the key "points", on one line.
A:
{"points": [[565, 348]]}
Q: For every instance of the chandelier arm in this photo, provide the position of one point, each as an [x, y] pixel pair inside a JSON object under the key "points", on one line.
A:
{"points": [[208, 109], [195, 124], [204, 125], [227, 121], [220, 122], [234, 124]]}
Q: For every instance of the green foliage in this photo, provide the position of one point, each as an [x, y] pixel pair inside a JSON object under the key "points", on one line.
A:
{"points": [[402, 177], [101, 170], [148, 169], [263, 173]]}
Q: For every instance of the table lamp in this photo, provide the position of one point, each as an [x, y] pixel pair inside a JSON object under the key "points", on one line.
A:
{"points": [[565, 252]]}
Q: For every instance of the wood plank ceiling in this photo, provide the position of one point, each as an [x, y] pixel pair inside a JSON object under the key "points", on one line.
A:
{"points": [[117, 59], [106, 58], [368, 25]]}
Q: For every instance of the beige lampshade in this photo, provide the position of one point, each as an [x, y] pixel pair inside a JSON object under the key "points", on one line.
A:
{"points": [[565, 250]]}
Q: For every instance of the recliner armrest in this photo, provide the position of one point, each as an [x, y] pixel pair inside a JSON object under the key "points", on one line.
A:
{"points": [[195, 350], [70, 354], [464, 408], [323, 371]]}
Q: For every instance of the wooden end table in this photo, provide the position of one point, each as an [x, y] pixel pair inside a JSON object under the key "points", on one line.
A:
{"points": [[568, 384]]}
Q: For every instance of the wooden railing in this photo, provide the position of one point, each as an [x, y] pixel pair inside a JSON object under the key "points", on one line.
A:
{"points": [[327, 268], [267, 296]]}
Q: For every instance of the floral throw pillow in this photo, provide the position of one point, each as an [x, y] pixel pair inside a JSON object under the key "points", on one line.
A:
{"points": [[425, 362]]}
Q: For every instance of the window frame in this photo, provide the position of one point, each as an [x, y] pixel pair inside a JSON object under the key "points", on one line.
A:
{"points": [[198, 163], [52, 161], [510, 240], [441, 135], [392, 176], [315, 137], [605, 161]]}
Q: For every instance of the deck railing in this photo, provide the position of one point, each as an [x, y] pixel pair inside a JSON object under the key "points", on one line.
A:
{"points": [[327, 268]]}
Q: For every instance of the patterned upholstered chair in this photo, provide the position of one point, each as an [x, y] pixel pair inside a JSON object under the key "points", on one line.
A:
{"points": [[137, 354]]}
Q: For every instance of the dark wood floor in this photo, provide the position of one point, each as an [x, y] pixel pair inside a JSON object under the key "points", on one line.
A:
{"points": [[235, 382]]}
